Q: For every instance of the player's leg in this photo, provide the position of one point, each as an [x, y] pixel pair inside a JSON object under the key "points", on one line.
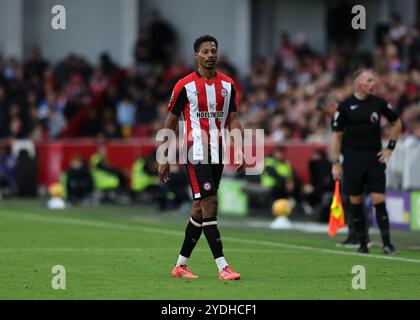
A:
{"points": [[354, 175], [209, 207], [192, 234], [376, 187], [351, 240], [359, 224], [211, 231], [382, 219]]}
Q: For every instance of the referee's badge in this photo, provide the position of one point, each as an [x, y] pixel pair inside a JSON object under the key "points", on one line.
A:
{"points": [[223, 92], [374, 118]]}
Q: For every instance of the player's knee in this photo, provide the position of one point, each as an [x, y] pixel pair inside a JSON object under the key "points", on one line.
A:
{"points": [[209, 207], [377, 198]]}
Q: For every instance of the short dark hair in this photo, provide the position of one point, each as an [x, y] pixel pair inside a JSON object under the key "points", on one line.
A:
{"points": [[358, 72], [202, 39]]}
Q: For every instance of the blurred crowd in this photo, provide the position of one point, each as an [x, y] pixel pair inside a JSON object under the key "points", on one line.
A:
{"points": [[280, 93]]}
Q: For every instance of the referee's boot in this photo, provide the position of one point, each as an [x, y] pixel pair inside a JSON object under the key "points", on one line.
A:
{"points": [[389, 249], [363, 248]]}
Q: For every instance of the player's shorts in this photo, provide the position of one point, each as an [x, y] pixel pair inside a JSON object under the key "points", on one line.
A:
{"points": [[204, 179], [363, 172]]}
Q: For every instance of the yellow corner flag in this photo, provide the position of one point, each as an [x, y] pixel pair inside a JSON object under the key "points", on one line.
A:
{"points": [[336, 212]]}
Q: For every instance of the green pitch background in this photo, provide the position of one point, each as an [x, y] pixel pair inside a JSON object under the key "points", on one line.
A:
{"points": [[127, 252]]}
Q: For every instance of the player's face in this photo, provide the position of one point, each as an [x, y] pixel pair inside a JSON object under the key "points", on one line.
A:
{"points": [[367, 83], [207, 55]]}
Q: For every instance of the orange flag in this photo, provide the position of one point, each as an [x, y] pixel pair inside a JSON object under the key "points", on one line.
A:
{"points": [[336, 212]]}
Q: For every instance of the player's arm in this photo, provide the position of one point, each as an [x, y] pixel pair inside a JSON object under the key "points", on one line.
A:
{"points": [[175, 107], [234, 122], [235, 129], [337, 170], [396, 128], [338, 124]]}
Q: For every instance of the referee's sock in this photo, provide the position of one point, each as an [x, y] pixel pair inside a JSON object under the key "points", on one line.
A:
{"points": [[192, 235], [215, 242], [359, 223], [383, 222]]}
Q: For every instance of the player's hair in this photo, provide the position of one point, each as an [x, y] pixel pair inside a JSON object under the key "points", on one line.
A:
{"points": [[202, 39]]}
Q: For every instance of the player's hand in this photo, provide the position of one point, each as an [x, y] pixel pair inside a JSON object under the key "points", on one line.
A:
{"points": [[384, 155], [163, 172], [240, 161], [337, 171]]}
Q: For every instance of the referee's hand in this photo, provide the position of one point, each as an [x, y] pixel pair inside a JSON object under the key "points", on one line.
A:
{"points": [[384, 155], [337, 171]]}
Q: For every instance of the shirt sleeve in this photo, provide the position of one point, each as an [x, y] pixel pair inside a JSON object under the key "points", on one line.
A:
{"points": [[178, 99], [338, 122], [388, 111], [233, 103]]}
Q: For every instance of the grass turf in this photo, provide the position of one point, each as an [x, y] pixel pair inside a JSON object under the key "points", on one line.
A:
{"points": [[127, 252]]}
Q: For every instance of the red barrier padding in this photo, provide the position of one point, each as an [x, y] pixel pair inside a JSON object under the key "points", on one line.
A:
{"points": [[54, 157]]}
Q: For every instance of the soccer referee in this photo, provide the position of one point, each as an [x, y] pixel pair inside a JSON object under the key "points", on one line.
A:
{"points": [[357, 134]]}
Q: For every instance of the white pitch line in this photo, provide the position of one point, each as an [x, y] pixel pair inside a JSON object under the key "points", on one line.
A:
{"points": [[74, 249], [120, 226], [126, 250]]}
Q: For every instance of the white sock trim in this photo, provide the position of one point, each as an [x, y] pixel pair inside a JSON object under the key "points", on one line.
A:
{"points": [[209, 223], [198, 225], [221, 263], [181, 261]]}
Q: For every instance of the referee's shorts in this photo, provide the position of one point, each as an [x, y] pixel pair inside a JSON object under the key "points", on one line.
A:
{"points": [[363, 172]]}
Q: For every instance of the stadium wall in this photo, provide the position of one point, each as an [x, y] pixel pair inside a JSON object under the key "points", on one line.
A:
{"points": [[11, 29], [92, 27]]}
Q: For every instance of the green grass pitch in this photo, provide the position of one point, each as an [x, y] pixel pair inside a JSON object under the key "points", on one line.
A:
{"points": [[127, 252]]}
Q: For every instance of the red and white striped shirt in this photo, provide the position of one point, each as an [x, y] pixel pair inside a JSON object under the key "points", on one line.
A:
{"points": [[204, 105]]}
